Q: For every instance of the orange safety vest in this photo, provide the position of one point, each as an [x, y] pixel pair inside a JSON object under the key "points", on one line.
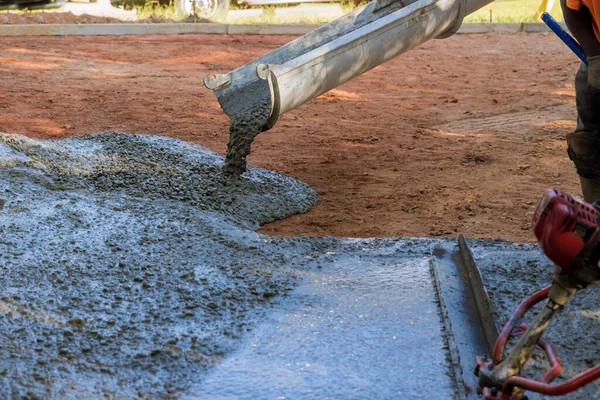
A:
{"points": [[594, 6]]}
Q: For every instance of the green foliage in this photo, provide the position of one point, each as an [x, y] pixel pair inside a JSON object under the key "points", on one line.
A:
{"points": [[351, 5], [269, 16], [274, 20], [512, 11], [498, 11], [149, 10]]}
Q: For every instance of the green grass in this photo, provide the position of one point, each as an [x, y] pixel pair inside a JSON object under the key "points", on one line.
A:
{"points": [[159, 12], [512, 11], [265, 20], [269, 17], [168, 12], [498, 11]]}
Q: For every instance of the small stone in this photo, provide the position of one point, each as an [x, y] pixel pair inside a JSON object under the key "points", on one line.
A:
{"points": [[76, 322]]}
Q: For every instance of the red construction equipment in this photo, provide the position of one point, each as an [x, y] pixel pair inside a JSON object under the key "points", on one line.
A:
{"points": [[568, 232]]}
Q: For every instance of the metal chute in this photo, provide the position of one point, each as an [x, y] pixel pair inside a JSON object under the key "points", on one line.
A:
{"points": [[336, 53]]}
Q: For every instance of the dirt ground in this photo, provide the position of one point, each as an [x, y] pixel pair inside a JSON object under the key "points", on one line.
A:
{"points": [[459, 136], [44, 17]]}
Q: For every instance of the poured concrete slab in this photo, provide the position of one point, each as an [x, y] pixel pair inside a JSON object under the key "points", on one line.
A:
{"points": [[130, 268]]}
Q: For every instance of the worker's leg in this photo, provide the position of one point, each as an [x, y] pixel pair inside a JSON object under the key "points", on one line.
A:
{"points": [[584, 143]]}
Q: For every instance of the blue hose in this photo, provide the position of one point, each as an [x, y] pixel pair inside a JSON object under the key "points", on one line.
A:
{"points": [[564, 36]]}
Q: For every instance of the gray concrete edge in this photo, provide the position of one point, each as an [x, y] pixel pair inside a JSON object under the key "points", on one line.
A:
{"points": [[479, 294], [463, 333], [223, 29]]}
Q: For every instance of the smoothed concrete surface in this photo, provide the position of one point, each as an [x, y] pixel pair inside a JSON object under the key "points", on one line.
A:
{"points": [[365, 326]]}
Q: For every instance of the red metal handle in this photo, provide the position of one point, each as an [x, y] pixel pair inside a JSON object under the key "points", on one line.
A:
{"points": [[507, 331], [569, 386], [542, 385]]}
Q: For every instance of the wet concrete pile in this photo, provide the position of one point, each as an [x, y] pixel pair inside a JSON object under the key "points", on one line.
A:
{"points": [[125, 268], [511, 272]]}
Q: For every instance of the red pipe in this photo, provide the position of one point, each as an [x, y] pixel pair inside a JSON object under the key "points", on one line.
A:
{"points": [[569, 386], [555, 367], [525, 305]]}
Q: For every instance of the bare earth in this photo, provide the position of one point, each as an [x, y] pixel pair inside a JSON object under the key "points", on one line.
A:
{"points": [[61, 17], [45, 17], [460, 135]]}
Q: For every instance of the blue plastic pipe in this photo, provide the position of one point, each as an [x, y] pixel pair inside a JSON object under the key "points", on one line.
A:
{"points": [[564, 36]]}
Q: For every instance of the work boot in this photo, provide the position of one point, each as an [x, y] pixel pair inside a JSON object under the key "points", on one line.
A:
{"points": [[584, 143], [584, 151], [590, 189]]}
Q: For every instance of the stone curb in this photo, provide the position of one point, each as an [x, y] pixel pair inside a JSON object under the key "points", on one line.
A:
{"points": [[174, 28]]}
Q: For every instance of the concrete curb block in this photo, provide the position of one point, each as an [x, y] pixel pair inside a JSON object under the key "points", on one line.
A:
{"points": [[270, 29], [487, 28], [109, 29], [177, 28], [531, 27], [527, 27]]}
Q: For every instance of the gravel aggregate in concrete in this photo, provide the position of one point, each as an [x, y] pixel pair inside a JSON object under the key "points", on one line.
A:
{"points": [[128, 266]]}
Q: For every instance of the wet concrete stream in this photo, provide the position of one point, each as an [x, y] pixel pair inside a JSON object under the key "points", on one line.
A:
{"points": [[131, 269]]}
